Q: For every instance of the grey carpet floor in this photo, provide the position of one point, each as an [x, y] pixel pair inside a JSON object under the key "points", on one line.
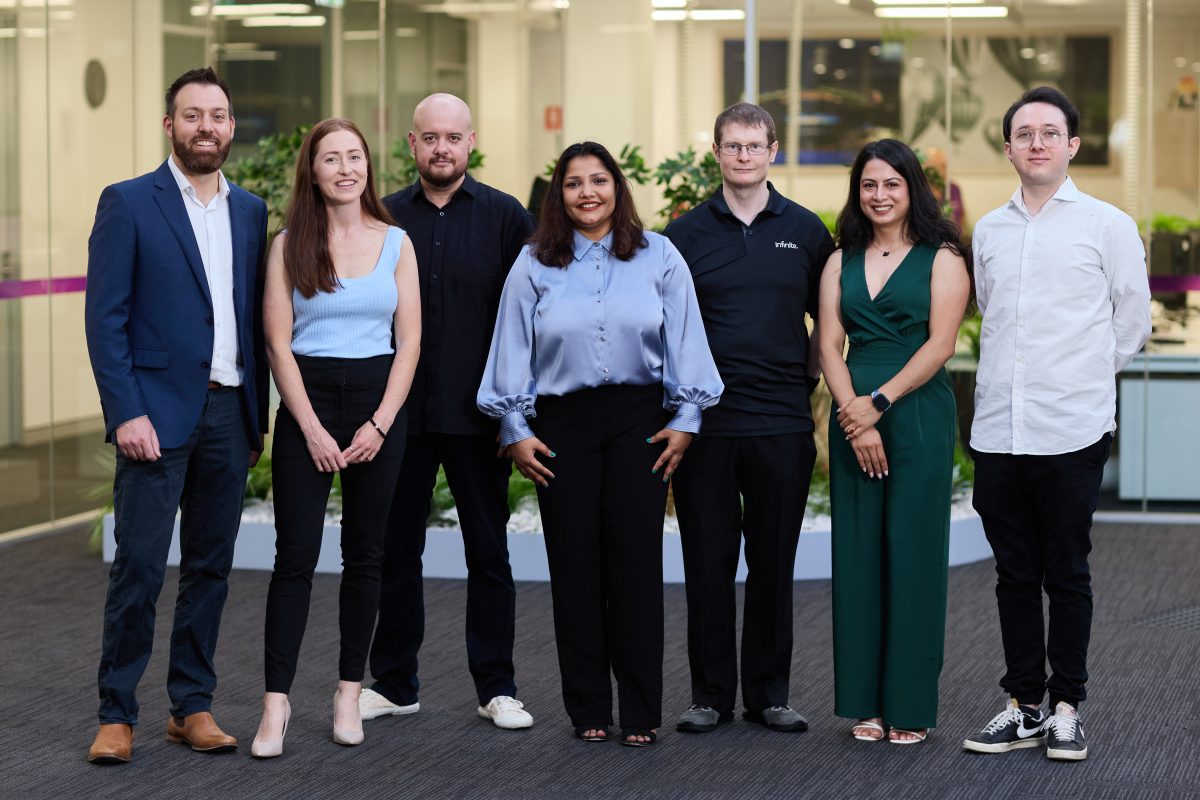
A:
{"points": [[1141, 719]]}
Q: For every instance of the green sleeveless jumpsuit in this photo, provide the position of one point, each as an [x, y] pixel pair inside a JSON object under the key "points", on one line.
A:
{"points": [[891, 536]]}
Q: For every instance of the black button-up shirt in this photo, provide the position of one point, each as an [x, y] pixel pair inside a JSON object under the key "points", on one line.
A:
{"points": [[464, 252], [755, 283]]}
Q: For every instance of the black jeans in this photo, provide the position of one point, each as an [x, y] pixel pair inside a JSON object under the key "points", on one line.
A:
{"points": [[1037, 514], [479, 482], [727, 488], [603, 520], [344, 393], [205, 479]]}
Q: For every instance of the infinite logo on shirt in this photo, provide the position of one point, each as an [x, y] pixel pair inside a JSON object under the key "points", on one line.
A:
{"points": [[788, 245]]}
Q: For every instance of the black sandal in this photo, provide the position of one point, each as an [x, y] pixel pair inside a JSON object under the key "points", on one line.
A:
{"points": [[581, 733], [627, 735]]}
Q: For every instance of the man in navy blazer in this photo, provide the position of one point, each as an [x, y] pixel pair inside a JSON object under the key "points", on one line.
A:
{"points": [[174, 332]]}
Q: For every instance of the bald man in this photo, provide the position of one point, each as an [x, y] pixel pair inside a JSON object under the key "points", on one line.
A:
{"points": [[466, 236]]}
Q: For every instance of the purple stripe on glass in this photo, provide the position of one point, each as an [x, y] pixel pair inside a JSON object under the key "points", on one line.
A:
{"points": [[32, 288], [1175, 283]]}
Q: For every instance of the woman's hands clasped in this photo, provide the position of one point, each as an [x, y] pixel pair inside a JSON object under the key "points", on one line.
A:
{"points": [[668, 460], [365, 445], [858, 416], [327, 457]]}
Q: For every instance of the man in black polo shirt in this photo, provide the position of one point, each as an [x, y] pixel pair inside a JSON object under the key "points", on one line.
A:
{"points": [[755, 258], [466, 236]]}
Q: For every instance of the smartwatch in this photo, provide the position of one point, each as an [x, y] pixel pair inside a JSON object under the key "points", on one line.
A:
{"points": [[880, 401]]}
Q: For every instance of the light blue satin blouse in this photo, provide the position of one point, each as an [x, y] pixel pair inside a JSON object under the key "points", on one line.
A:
{"points": [[599, 321]]}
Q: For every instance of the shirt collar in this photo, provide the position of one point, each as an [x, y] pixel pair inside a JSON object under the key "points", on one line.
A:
{"points": [[186, 187], [1068, 192], [583, 244], [469, 186], [776, 203]]}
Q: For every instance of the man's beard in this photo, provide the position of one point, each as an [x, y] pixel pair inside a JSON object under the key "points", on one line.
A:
{"points": [[440, 180], [200, 162]]}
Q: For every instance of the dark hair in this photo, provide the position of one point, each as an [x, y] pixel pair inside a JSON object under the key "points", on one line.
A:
{"points": [[925, 223], [1044, 94], [306, 256], [747, 114], [205, 75], [553, 243]]}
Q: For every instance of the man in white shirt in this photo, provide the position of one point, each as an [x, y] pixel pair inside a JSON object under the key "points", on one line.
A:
{"points": [[174, 331], [1061, 282]]}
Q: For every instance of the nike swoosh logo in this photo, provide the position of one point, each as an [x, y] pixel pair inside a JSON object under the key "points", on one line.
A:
{"points": [[1025, 733]]}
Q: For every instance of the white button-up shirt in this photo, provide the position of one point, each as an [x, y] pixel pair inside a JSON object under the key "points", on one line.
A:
{"points": [[1066, 305], [214, 237]]}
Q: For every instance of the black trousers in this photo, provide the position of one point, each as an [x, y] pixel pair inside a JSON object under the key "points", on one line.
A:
{"points": [[344, 393], [479, 482], [727, 488], [1037, 515], [603, 519]]}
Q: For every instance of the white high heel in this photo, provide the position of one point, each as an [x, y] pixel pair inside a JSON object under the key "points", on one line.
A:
{"points": [[347, 736], [271, 748]]}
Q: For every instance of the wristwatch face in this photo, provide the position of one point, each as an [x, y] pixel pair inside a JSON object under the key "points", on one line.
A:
{"points": [[880, 402]]}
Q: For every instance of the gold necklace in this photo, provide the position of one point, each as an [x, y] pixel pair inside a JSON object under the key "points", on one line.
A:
{"points": [[886, 253]]}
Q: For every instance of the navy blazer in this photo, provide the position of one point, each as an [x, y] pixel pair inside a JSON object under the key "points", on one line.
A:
{"points": [[148, 312]]}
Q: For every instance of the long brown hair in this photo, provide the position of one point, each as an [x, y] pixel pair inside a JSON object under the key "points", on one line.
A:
{"points": [[553, 243], [306, 249]]}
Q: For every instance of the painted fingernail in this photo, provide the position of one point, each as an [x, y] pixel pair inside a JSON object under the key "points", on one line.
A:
{"points": [[553, 454], [649, 439], [654, 470], [885, 472]]}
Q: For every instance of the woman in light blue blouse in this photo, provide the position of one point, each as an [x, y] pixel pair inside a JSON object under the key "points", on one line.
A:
{"points": [[599, 352]]}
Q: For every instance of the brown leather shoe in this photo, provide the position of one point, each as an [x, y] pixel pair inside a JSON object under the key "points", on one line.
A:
{"points": [[113, 744], [201, 732]]}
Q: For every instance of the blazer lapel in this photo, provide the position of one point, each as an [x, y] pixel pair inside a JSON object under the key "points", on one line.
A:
{"points": [[239, 216], [171, 205]]}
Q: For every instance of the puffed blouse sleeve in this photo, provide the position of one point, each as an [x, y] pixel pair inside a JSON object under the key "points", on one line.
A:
{"points": [[691, 382], [508, 388]]}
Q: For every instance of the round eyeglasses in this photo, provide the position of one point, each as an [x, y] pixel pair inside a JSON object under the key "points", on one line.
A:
{"points": [[732, 149], [1023, 139]]}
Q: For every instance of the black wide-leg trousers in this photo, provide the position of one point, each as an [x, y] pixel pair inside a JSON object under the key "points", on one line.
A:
{"points": [[344, 393], [1037, 515], [602, 515]]}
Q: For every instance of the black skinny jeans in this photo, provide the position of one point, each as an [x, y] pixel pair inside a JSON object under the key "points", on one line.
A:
{"points": [[344, 393]]}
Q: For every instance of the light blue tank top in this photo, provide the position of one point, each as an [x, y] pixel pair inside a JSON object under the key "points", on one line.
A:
{"points": [[354, 320]]}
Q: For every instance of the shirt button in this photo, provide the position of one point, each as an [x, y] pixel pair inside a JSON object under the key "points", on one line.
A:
{"points": [[205, 364], [434, 275], [208, 320], [441, 213], [606, 370], [437, 243]]}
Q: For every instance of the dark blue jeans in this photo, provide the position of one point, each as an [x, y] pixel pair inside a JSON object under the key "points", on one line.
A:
{"points": [[205, 479]]}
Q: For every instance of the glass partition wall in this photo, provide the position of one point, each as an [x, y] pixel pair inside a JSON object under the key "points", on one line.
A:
{"points": [[541, 73]]}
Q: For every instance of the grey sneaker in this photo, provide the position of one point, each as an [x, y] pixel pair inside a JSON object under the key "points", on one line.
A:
{"points": [[1066, 742], [372, 705], [778, 718], [701, 719]]}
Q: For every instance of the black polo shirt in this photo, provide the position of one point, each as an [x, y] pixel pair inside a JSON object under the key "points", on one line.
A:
{"points": [[464, 251], [755, 283]]}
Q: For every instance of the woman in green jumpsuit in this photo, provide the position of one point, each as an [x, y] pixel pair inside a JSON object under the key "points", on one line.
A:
{"points": [[897, 287]]}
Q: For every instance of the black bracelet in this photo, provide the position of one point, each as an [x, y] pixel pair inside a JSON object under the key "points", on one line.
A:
{"points": [[378, 429]]}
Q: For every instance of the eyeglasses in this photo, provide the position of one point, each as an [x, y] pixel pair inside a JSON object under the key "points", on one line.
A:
{"points": [[1051, 137], [733, 149]]}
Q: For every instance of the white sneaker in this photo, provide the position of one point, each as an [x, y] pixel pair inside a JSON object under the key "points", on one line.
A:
{"points": [[506, 712], [372, 705]]}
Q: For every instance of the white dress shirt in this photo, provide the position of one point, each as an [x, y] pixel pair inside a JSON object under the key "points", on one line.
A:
{"points": [[214, 237], [1066, 305]]}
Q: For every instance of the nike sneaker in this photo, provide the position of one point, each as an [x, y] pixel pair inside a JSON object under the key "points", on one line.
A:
{"points": [[1066, 742], [1015, 727]]}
